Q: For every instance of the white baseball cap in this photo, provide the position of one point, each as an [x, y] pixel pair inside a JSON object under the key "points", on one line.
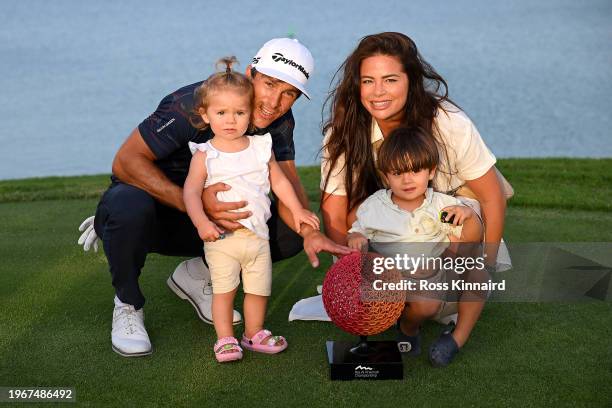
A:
{"points": [[285, 59]]}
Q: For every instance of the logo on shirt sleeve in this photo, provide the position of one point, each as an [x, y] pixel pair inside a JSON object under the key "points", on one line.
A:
{"points": [[165, 125]]}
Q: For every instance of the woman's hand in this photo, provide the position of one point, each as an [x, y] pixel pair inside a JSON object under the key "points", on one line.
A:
{"points": [[460, 212], [303, 216], [209, 231], [357, 241]]}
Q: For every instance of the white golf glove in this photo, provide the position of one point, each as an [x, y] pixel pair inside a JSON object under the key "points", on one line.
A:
{"points": [[89, 237]]}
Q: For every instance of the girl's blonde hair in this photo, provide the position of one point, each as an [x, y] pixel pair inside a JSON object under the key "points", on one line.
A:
{"points": [[222, 80]]}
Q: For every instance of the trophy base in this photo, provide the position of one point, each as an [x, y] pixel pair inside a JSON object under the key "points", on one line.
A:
{"points": [[382, 362]]}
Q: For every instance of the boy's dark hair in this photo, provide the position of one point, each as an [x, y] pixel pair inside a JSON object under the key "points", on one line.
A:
{"points": [[408, 150]]}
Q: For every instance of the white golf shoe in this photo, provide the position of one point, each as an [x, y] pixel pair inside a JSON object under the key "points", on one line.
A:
{"points": [[191, 281], [129, 336]]}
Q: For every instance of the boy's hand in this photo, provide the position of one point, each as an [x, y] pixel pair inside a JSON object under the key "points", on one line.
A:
{"points": [[460, 212], [209, 232], [357, 241], [304, 216]]}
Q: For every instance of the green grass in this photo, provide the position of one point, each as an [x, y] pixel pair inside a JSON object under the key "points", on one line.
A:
{"points": [[573, 184], [56, 305], [53, 188]]}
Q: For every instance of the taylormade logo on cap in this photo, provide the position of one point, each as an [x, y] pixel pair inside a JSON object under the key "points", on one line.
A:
{"points": [[285, 59], [278, 57]]}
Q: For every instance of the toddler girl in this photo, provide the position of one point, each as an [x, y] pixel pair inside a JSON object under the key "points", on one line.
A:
{"points": [[246, 163]]}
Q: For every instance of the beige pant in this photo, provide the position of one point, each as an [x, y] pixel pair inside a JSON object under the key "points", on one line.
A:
{"points": [[244, 251], [446, 309]]}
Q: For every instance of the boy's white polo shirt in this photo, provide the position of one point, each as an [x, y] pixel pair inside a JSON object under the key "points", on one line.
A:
{"points": [[381, 220]]}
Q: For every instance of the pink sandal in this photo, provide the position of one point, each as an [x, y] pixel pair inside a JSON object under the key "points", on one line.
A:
{"points": [[227, 349], [270, 346]]}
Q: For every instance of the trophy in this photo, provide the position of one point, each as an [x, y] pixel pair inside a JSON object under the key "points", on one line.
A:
{"points": [[355, 305]]}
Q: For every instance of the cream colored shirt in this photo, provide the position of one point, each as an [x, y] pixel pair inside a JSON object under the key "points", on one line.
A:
{"points": [[468, 156]]}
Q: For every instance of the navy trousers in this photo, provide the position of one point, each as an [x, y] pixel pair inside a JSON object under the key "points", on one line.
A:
{"points": [[131, 224]]}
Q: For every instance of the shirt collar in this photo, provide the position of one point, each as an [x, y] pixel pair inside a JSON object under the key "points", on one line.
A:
{"points": [[428, 198], [375, 132], [426, 202]]}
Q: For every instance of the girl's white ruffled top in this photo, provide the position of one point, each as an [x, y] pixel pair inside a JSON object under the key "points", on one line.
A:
{"points": [[247, 173]]}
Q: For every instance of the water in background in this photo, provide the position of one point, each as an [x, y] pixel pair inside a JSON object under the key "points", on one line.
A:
{"points": [[76, 77]]}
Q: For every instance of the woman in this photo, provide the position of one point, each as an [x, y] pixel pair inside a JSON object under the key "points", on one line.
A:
{"points": [[385, 84]]}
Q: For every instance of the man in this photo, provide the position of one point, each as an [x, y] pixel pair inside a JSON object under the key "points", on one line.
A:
{"points": [[143, 209]]}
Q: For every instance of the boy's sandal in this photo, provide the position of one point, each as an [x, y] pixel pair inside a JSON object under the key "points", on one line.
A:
{"points": [[443, 350], [409, 345], [227, 349], [264, 342]]}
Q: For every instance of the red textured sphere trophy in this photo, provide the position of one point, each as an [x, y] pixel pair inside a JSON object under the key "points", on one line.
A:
{"points": [[355, 302]]}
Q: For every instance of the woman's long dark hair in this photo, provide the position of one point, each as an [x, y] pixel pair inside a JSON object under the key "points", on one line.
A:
{"points": [[350, 123]]}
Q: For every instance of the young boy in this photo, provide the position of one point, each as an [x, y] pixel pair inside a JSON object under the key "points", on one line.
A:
{"points": [[411, 218]]}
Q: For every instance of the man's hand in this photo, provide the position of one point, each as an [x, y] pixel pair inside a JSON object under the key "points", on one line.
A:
{"points": [[89, 237], [315, 242], [219, 211]]}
